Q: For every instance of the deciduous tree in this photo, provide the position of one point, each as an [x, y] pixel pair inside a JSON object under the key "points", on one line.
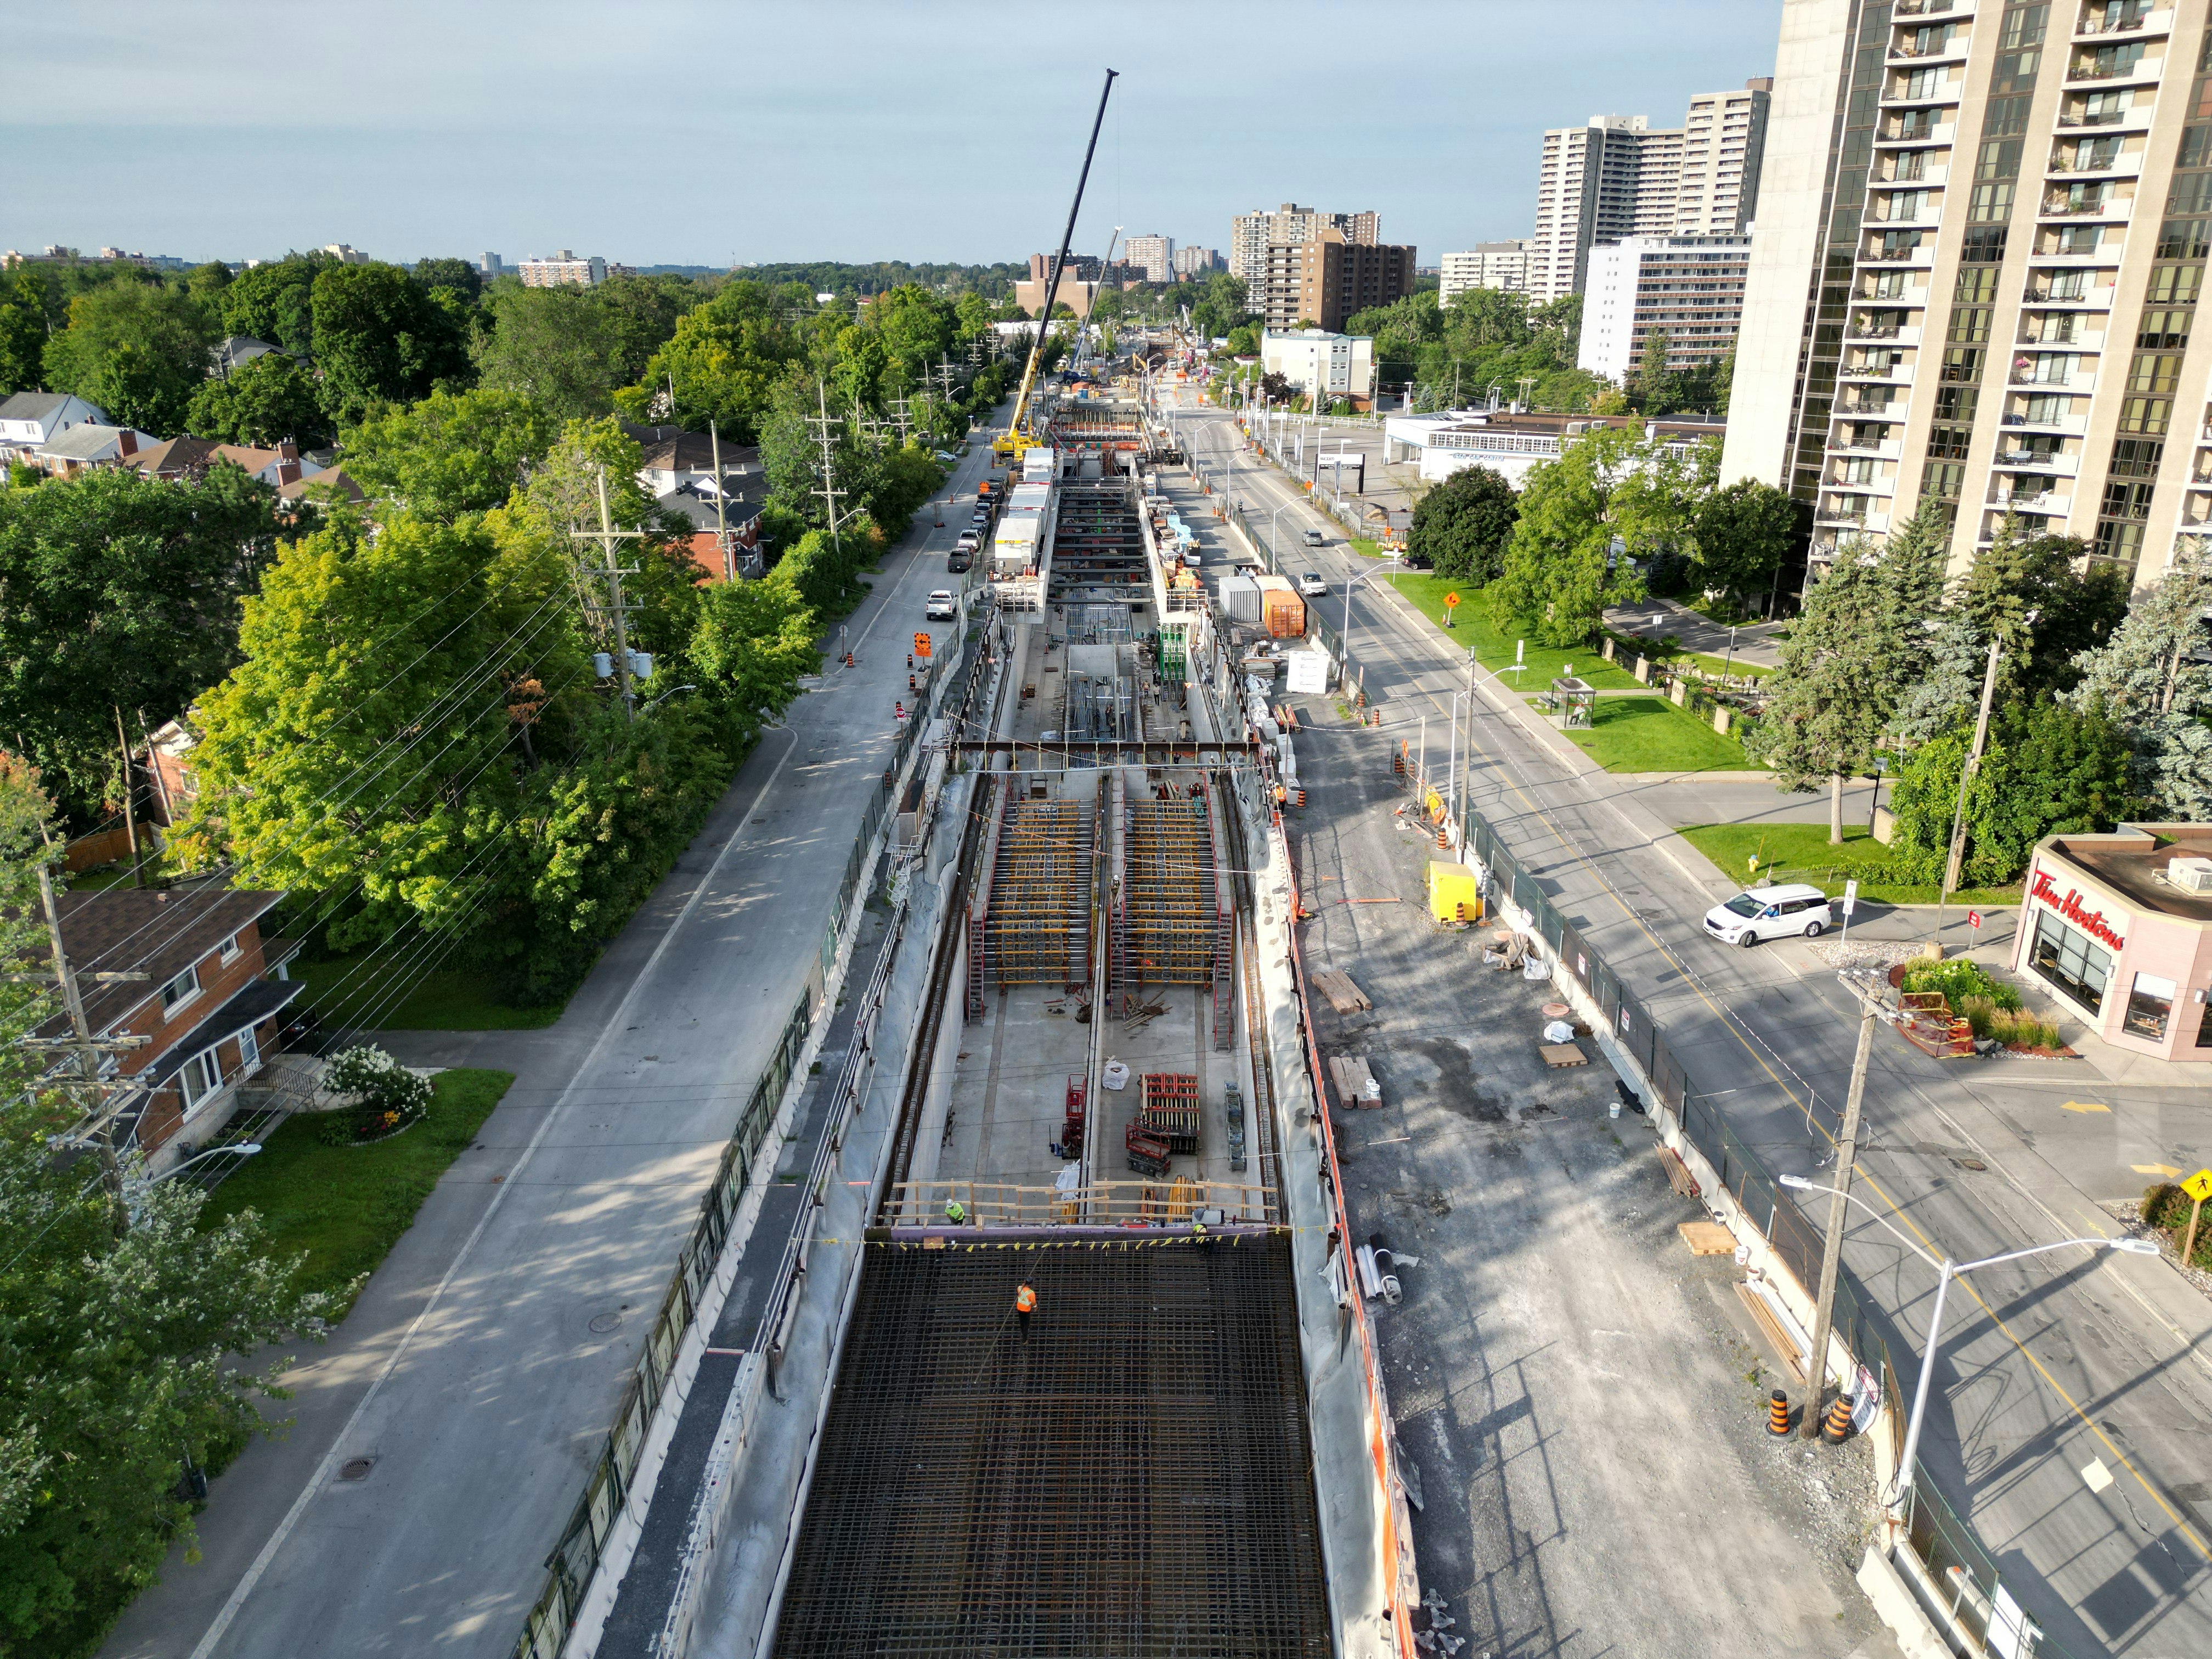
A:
{"points": [[723, 362], [451, 453], [1560, 573], [137, 350], [1741, 533], [378, 338], [1464, 526], [264, 401]]}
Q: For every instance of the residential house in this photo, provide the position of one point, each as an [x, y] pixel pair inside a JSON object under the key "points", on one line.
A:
{"points": [[174, 779], [678, 468], [88, 444], [208, 1006], [190, 458], [32, 420], [324, 481], [740, 515], [235, 352]]}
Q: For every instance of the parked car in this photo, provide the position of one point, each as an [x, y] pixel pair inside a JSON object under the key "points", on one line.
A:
{"points": [[1762, 912], [968, 541], [942, 606], [1314, 539], [1311, 585], [958, 563]]}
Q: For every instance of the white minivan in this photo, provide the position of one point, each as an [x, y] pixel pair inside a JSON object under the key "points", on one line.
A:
{"points": [[1770, 913]]}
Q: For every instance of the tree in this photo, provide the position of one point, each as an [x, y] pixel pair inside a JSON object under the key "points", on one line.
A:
{"points": [[1656, 389], [754, 640], [123, 591], [724, 362], [206, 285], [1560, 573], [461, 275], [2025, 589], [1463, 525], [22, 332], [275, 302], [137, 350], [2049, 770], [118, 1347], [378, 338], [2150, 678], [1223, 304], [451, 453], [1741, 533], [1843, 669], [556, 346], [264, 401]]}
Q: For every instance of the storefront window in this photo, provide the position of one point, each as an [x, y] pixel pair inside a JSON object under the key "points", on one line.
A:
{"points": [[2067, 960], [2204, 1026], [2150, 1005]]}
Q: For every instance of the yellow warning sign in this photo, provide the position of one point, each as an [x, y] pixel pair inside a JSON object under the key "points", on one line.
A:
{"points": [[2199, 1186]]}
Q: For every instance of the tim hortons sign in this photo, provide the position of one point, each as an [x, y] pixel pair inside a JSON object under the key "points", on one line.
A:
{"points": [[2091, 922]]}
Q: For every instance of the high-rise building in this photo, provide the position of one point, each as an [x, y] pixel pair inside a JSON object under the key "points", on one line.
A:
{"points": [[1617, 177], [1197, 261], [1251, 234], [491, 265], [1486, 264], [1152, 255], [1982, 239], [1327, 279], [1686, 290], [562, 269]]}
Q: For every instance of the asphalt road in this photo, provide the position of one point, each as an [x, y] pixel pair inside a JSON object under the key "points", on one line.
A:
{"points": [[2048, 1364], [482, 1367]]}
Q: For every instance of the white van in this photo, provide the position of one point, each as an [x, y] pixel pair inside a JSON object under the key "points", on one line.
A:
{"points": [[1770, 913]]}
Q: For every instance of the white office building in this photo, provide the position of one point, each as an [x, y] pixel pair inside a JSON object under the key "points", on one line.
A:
{"points": [[1688, 290], [1315, 361]]}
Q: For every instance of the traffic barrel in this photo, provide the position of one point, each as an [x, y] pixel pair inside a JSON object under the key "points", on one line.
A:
{"points": [[1837, 1428], [1777, 1412]]}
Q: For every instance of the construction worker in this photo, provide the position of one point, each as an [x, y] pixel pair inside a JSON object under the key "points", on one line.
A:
{"points": [[956, 1214], [1025, 1305]]}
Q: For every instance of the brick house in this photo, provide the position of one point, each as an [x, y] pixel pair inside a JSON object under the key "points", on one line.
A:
{"points": [[209, 1003]]}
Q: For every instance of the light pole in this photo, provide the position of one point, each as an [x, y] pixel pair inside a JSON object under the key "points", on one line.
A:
{"points": [[243, 1149], [1273, 562], [1344, 641], [1731, 660], [1946, 1271]]}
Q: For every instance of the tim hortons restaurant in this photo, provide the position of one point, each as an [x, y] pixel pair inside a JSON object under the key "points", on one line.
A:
{"points": [[2118, 929]]}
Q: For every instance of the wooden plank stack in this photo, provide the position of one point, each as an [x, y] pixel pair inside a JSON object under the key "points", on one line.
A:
{"points": [[1343, 995], [1355, 1082]]}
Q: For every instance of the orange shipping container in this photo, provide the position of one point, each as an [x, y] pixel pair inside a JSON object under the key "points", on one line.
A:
{"points": [[1281, 609]]}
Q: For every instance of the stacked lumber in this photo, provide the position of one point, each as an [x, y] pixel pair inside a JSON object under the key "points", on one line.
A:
{"points": [[1343, 995], [1355, 1082]]}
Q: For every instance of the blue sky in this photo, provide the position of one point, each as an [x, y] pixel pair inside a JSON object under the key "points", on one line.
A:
{"points": [[671, 132]]}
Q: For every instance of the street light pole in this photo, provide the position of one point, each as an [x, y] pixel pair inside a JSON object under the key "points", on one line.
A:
{"points": [[1946, 1271]]}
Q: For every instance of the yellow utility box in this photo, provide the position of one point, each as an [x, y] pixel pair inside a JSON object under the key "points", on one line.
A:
{"points": [[1455, 892]]}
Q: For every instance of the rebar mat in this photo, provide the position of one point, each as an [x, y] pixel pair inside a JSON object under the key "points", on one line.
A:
{"points": [[1130, 1481]]}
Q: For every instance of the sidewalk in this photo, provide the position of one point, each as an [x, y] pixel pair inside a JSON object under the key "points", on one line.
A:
{"points": [[1755, 643]]}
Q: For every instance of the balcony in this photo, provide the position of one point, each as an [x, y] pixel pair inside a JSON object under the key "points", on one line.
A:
{"points": [[2041, 460], [1886, 450], [1905, 52], [2145, 68], [2079, 386], [2068, 207], [2136, 115], [1896, 256], [2051, 294], [2087, 343], [1872, 486], [2046, 501], [2062, 167], [1922, 7], [1875, 371], [2151, 22], [2069, 422], [1917, 127]]}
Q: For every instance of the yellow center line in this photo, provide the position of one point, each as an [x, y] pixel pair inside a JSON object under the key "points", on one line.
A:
{"points": [[1728, 1021]]}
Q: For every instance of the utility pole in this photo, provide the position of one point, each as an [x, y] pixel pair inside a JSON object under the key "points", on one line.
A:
{"points": [[721, 520], [829, 492], [130, 803], [87, 1048], [1957, 853], [606, 536], [1831, 1254]]}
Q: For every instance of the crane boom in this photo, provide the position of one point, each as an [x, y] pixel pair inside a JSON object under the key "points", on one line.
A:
{"points": [[1052, 288]]}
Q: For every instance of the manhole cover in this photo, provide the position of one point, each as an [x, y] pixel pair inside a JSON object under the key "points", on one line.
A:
{"points": [[602, 1323], [355, 1468]]}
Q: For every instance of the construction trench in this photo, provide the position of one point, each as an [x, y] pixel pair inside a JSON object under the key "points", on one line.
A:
{"points": [[1094, 1079]]}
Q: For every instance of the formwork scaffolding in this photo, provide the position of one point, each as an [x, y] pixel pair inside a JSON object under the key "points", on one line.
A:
{"points": [[1100, 708], [1030, 921], [1098, 543], [1127, 1478], [1168, 902], [1098, 624]]}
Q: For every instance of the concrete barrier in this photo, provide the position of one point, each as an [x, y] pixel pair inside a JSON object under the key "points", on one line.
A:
{"points": [[1899, 1608]]}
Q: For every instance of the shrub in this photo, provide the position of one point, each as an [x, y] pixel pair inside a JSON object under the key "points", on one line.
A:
{"points": [[1959, 980], [2164, 1204], [390, 1096], [1983, 1015]]}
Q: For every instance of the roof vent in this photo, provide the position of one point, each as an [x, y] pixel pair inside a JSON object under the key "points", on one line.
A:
{"points": [[2191, 875]]}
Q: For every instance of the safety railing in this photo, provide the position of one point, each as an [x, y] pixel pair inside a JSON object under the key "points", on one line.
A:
{"points": [[1108, 1203], [1963, 1570]]}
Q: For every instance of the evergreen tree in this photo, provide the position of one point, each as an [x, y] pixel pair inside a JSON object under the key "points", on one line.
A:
{"points": [[2149, 679]]}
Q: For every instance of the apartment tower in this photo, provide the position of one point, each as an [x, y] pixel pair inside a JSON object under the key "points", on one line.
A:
{"points": [[1251, 234], [1981, 245], [1152, 255], [1486, 264]]}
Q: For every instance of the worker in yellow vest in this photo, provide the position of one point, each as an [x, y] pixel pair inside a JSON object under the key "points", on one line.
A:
{"points": [[1025, 1305]]}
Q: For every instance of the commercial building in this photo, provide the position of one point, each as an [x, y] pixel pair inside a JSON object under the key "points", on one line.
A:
{"points": [[1486, 264], [1197, 261], [1154, 256], [1686, 291], [1317, 361], [1076, 294], [345, 253], [564, 269], [1328, 279], [1512, 445], [2117, 928], [1982, 240], [1617, 177], [491, 266]]}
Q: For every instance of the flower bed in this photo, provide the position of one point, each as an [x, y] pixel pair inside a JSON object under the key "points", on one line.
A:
{"points": [[389, 1099]]}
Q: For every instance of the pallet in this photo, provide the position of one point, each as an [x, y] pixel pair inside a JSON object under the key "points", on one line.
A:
{"points": [[1777, 1340], [1678, 1174], [1560, 1054], [1707, 1238], [1343, 995], [1355, 1082]]}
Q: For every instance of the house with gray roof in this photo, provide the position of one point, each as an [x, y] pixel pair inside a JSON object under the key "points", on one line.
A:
{"points": [[32, 420]]}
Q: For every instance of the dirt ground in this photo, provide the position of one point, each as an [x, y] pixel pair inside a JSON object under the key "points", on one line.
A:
{"points": [[1583, 1399]]}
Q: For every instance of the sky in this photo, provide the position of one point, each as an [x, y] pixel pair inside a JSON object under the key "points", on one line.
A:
{"points": [[670, 132]]}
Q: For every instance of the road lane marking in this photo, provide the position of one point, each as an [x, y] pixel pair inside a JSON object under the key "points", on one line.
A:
{"points": [[2081, 1106], [2166, 1170]]}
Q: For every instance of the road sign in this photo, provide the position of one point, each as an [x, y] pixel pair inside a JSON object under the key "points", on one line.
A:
{"points": [[1850, 896], [1451, 601], [1974, 919], [921, 645], [2199, 1186]]}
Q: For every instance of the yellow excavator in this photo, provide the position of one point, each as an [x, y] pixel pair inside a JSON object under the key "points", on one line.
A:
{"points": [[1015, 437]]}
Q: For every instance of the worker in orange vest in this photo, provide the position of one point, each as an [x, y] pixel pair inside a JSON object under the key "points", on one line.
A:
{"points": [[1025, 1305]]}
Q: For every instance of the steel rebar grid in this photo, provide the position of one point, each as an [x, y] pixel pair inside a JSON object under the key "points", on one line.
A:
{"points": [[1130, 1481]]}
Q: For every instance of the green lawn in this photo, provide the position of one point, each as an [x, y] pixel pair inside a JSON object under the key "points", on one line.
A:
{"points": [[1471, 629], [1650, 734], [382, 996], [346, 1207], [1801, 852], [1624, 645]]}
